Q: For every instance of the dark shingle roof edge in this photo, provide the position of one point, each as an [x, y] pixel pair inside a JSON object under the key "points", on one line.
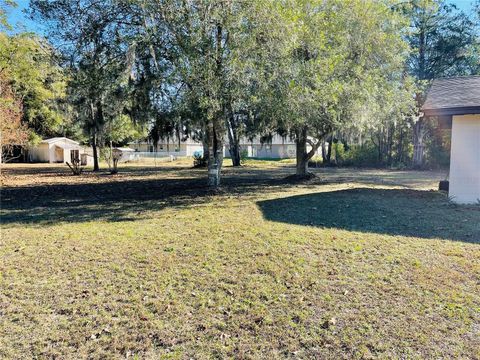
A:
{"points": [[458, 93]]}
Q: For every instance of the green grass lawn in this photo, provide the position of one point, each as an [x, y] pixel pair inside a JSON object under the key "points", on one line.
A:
{"points": [[149, 264]]}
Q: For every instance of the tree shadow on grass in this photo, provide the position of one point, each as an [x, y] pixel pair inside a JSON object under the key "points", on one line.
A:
{"points": [[425, 214], [120, 200]]}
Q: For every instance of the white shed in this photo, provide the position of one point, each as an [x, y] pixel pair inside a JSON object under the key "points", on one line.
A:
{"points": [[458, 99], [60, 150], [124, 154]]}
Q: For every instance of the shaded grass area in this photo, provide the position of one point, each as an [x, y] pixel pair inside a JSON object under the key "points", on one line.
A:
{"points": [[151, 264], [404, 212], [119, 198]]}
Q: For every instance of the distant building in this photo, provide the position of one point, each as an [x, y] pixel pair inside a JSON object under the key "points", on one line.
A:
{"points": [[457, 100], [166, 148], [60, 150], [124, 154], [278, 148]]}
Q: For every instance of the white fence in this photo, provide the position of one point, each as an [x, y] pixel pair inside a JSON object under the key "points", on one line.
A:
{"points": [[159, 154]]}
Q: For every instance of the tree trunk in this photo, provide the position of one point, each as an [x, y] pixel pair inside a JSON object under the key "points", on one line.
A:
{"points": [[391, 134], [324, 152], [400, 147], [235, 153], [205, 146], [234, 145], [233, 139], [302, 161], [215, 154], [418, 143], [216, 123], [233, 135], [95, 121], [419, 127], [303, 157], [379, 146], [95, 150], [329, 150]]}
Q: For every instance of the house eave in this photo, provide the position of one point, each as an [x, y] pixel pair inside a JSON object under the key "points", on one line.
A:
{"points": [[452, 111]]}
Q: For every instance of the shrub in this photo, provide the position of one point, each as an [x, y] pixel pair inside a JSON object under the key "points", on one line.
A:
{"points": [[338, 153], [75, 166], [361, 155], [315, 161], [243, 156], [199, 160], [437, 154]]}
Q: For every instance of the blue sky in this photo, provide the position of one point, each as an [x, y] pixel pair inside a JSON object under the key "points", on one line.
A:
{"points": [[17, 17]]}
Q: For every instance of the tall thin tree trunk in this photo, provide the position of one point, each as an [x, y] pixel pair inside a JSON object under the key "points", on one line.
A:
{"points": [[324, 152], [94, 137], [419, 127], [400, 147], [233, 137], [329, 150], [379, 146], [418, 143], [95, 150], [391, 134], [216, 124]]}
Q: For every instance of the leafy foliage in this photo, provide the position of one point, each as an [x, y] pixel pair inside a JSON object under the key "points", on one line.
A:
{"points": [[311, 70], [198, 160], [13, 132], [4, 7], [27, 62], [97, 50], [441, 38]]}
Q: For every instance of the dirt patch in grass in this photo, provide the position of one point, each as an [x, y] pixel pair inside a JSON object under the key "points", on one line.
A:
{"points": [[148, 263]]}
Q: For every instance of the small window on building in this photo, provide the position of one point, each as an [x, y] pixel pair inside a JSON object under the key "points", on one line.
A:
{"points": [[160, 146], [74, 155], [177, 149], [83, 159], [151, 148]]}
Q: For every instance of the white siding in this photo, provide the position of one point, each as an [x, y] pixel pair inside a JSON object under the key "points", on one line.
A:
{"points": [[45, 151], [465, 159], [52, 155], [191, 149], [39, 153]]}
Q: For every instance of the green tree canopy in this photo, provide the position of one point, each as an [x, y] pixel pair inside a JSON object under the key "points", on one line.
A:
{"points": [[334, 57]]}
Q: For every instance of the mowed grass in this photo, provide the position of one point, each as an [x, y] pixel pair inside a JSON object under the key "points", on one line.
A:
{"points": [[149, 264]]}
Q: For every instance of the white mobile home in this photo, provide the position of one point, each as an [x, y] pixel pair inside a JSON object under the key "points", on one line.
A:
{"points": [[60, 150], [166, 148], [278, 148]]}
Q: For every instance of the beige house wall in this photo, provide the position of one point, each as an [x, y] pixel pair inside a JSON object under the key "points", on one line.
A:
{"points": [[50, 153], [39, 153], [465, 159]]}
